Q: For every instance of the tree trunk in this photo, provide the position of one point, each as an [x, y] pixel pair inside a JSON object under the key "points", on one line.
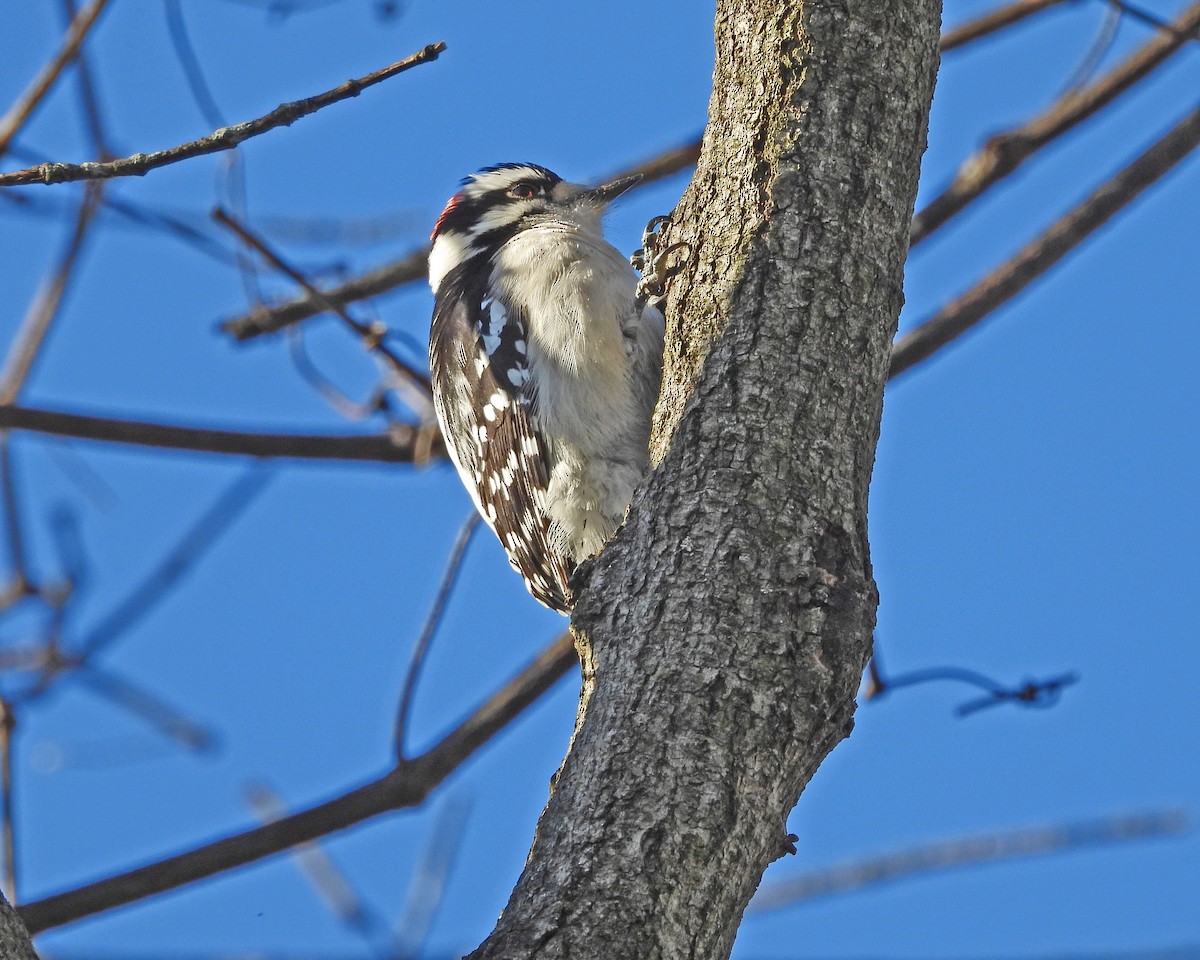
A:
{"points": [[724, 631], [14, 938]]}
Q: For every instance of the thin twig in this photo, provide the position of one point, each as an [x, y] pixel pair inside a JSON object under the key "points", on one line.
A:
{"points": [[87, 93], [994, 21], [429, 629], [404, 786], [28, 102], [138, 214], [1097, 50], [331, 885], [1031, 693], [331, 393], [427, 888], [419, 390], [44, 308], [969, 851], [1038, 256], [162, 716], [153, 588], [224, 139], [185, 53], [1005, 152], [1149, 19], [411, 268], [263, 319], [20, 585], [401, 444]]}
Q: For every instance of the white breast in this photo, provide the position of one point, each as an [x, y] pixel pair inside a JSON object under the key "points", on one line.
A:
{"points": [[595, 359]]}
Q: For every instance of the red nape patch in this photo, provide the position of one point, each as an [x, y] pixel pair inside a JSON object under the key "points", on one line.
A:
{"points": [[450, 205]]}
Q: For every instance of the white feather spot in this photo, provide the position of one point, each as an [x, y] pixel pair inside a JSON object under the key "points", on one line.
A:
{"points": [[499, 319]]}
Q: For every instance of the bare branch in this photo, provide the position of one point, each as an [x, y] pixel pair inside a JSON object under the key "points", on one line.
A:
{"points": [[224, 139], [1005, 152], [23, 109], [330, 884], [44, 309], [407, 785], [162, 716], [1038, 256], [185, 53], [432, 620], [199, 537], [87, 93], [1032, 693], [427, 888], [969, 851], [372, 334], [1149, 19], [992, 22], [19, 585], [402, 443], [412, 267], [408, 269]]}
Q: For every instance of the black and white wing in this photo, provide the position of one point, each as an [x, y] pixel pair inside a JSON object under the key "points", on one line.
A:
{"points": [[485, 406]]}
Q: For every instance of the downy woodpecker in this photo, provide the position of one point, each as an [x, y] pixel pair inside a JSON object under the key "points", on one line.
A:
{"points": [[546, 366]]}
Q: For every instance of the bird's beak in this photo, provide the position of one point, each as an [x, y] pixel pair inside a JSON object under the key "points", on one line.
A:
{"points": [[608, 192]]}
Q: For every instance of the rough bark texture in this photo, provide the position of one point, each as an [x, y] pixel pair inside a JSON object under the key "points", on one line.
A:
{"points": [[14, 938], [725, 629]]}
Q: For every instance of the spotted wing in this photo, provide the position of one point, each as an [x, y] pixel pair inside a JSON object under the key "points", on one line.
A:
{"points": [[485, 404]]}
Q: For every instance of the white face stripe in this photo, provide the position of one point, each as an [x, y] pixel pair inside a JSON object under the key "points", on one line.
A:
{"points": [[502, 179], [449, 250]]}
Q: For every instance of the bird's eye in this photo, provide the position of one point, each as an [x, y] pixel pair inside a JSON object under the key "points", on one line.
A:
{"points": [[526, 190]]}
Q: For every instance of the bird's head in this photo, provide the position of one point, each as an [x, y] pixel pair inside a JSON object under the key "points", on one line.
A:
{"points": [[498, 202]]}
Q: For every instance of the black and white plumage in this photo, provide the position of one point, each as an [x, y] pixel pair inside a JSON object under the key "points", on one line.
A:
{"points": [[545, 366]]}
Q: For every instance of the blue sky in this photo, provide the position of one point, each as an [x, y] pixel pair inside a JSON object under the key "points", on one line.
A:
{"points": [[1033, 509]]}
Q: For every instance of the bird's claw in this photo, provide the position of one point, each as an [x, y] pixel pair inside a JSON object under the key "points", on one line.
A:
{"points": [[650, 260]]}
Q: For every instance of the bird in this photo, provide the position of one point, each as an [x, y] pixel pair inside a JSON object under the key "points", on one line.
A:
{"points": [[545, 364]]}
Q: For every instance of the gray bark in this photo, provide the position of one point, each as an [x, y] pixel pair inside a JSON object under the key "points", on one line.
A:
{"points": [[14, 938], [724, 631]]}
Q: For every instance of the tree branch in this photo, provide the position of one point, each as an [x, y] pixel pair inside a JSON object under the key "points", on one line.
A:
{"points": [[224, 139], [401, 444], [969, 851], [44, 308], [417, 383], [994, 21], [1038, 256], [263, 319], [28, 102], [406, 785], [1005, 152]]}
